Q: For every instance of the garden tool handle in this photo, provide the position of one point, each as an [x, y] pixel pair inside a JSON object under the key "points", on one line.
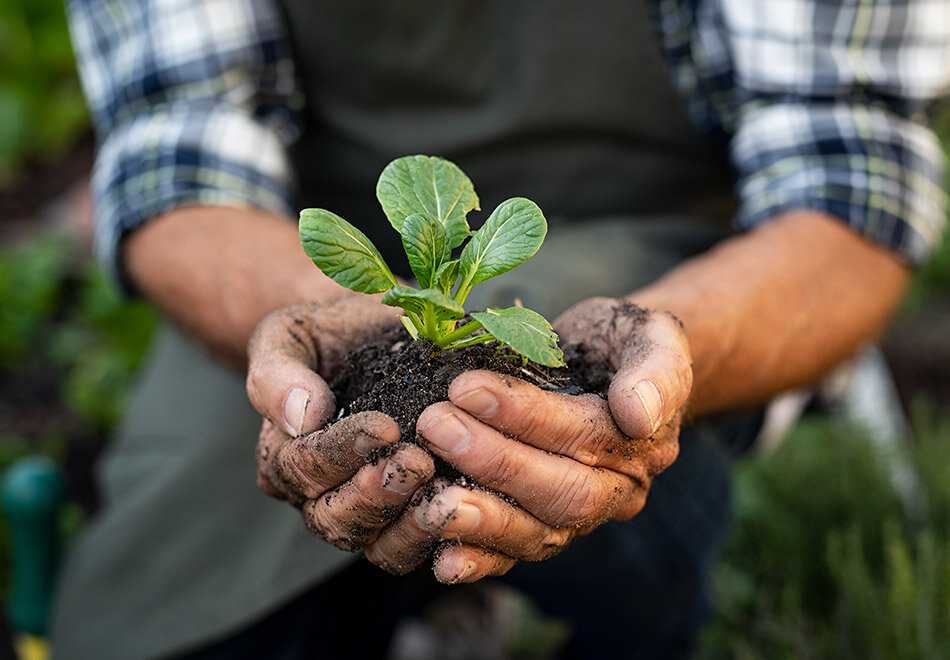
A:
{"points": [[32, 494]]}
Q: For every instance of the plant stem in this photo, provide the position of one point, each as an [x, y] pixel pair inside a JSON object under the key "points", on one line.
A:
{"points": [[459, 333], [464, 289], [471, 341], [430, 330]]}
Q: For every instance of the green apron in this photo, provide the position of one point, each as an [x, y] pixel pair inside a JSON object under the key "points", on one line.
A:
{"points": [[567, 102]]}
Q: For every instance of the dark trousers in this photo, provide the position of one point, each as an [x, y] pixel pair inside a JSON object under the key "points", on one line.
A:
{"points": [[636, 589]]}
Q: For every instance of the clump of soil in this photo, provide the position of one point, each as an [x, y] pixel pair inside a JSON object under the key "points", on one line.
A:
{"points": [[402, 377]]}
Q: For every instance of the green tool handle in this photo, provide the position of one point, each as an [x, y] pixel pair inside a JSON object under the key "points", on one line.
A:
{"points": [[32, 495]]}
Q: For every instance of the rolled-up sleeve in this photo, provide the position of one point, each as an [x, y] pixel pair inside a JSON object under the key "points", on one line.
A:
{"points": [[193, 102], [830, 114]]}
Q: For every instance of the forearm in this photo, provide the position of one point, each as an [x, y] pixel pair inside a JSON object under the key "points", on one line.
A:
{"points": [[217, 271], [778, 307]]}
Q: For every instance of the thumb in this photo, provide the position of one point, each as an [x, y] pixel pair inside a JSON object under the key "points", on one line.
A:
{"points": [[654, 379], [282, 380]]}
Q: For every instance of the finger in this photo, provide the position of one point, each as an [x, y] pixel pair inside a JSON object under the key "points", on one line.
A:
{"points": [[580, 427], [308, 466], [282, 380], [404, 545], [654, 379], [558, 490], [353, 515], [456, 564], [484, 519], [269, 441]]}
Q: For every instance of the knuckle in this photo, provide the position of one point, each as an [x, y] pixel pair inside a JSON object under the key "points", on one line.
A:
{"points": [[671, 324], [506, 523], [577, 500], [369, 500], [378, 557], [291, 469], [501, 468], [632, 505], [264, 484], [499, 565], [551, 543], [665, 454], [252, 384], [321, 521]]}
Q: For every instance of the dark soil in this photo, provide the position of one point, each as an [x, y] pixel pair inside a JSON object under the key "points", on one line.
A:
{"points": [[402, 377]]}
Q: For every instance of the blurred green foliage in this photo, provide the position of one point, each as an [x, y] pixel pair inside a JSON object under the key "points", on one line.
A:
{"points": [[934, 278], [825, 563], [70, 346], [42, 110], [64, 320]]}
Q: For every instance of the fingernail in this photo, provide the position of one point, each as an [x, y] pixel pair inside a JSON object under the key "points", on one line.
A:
{"points": [[295, 407], [447, 433], [437, 514], [649, 397], [465, 519], [399, 479], [479, 402], [466, 572], [365, 444], [457, 569]]}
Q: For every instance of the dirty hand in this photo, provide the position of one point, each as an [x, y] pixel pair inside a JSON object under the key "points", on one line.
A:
{"points": [[291, 356], [570, 462]]}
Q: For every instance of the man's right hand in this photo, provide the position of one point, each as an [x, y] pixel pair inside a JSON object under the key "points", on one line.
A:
{"points": [[324, 471]]}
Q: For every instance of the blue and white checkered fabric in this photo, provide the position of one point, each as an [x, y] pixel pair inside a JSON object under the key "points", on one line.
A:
{"points": [[823, 103]]}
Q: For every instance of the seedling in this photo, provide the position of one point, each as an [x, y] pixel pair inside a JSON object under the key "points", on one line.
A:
{"points": [[427, 200]]}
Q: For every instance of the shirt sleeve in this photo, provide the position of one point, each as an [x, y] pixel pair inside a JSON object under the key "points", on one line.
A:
{"points": [[830, 114], [193, 102]]}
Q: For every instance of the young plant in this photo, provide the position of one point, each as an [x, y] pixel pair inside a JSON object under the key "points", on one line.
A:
{"points": [[427, 200]]}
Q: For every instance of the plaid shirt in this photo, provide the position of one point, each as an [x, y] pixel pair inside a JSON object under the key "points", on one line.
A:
{"points": [[823, 105]]}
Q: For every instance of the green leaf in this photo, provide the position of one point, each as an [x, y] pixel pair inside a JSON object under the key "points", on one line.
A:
{"points": [[525, 331], [446, 276], [409, 326], [415, 301], [430, 186], [511, 235], [343, 252], [423, 238]]}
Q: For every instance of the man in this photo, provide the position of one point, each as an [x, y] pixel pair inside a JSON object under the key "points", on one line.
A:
{"points": [[209, 113]]}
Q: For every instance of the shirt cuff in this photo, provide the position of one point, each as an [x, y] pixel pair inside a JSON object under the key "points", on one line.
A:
{"points": [[184, 155], [880, 174]]}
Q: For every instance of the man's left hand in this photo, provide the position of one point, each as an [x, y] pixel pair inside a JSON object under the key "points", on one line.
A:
{"points": [[571, 463]]}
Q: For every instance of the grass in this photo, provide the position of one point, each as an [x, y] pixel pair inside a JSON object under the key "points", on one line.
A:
{"points": [[826, 563]]}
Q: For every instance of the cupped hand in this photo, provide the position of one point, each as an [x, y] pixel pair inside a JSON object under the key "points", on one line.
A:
{"points": [[323, 469], [555, 466]]}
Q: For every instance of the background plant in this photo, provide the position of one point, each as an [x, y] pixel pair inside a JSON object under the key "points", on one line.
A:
{"points": [[70, 348], [427, 200], [41, 104], [825, 563]]}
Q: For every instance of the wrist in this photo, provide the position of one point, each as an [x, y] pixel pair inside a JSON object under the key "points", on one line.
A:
{"points": [[217, 271]]}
